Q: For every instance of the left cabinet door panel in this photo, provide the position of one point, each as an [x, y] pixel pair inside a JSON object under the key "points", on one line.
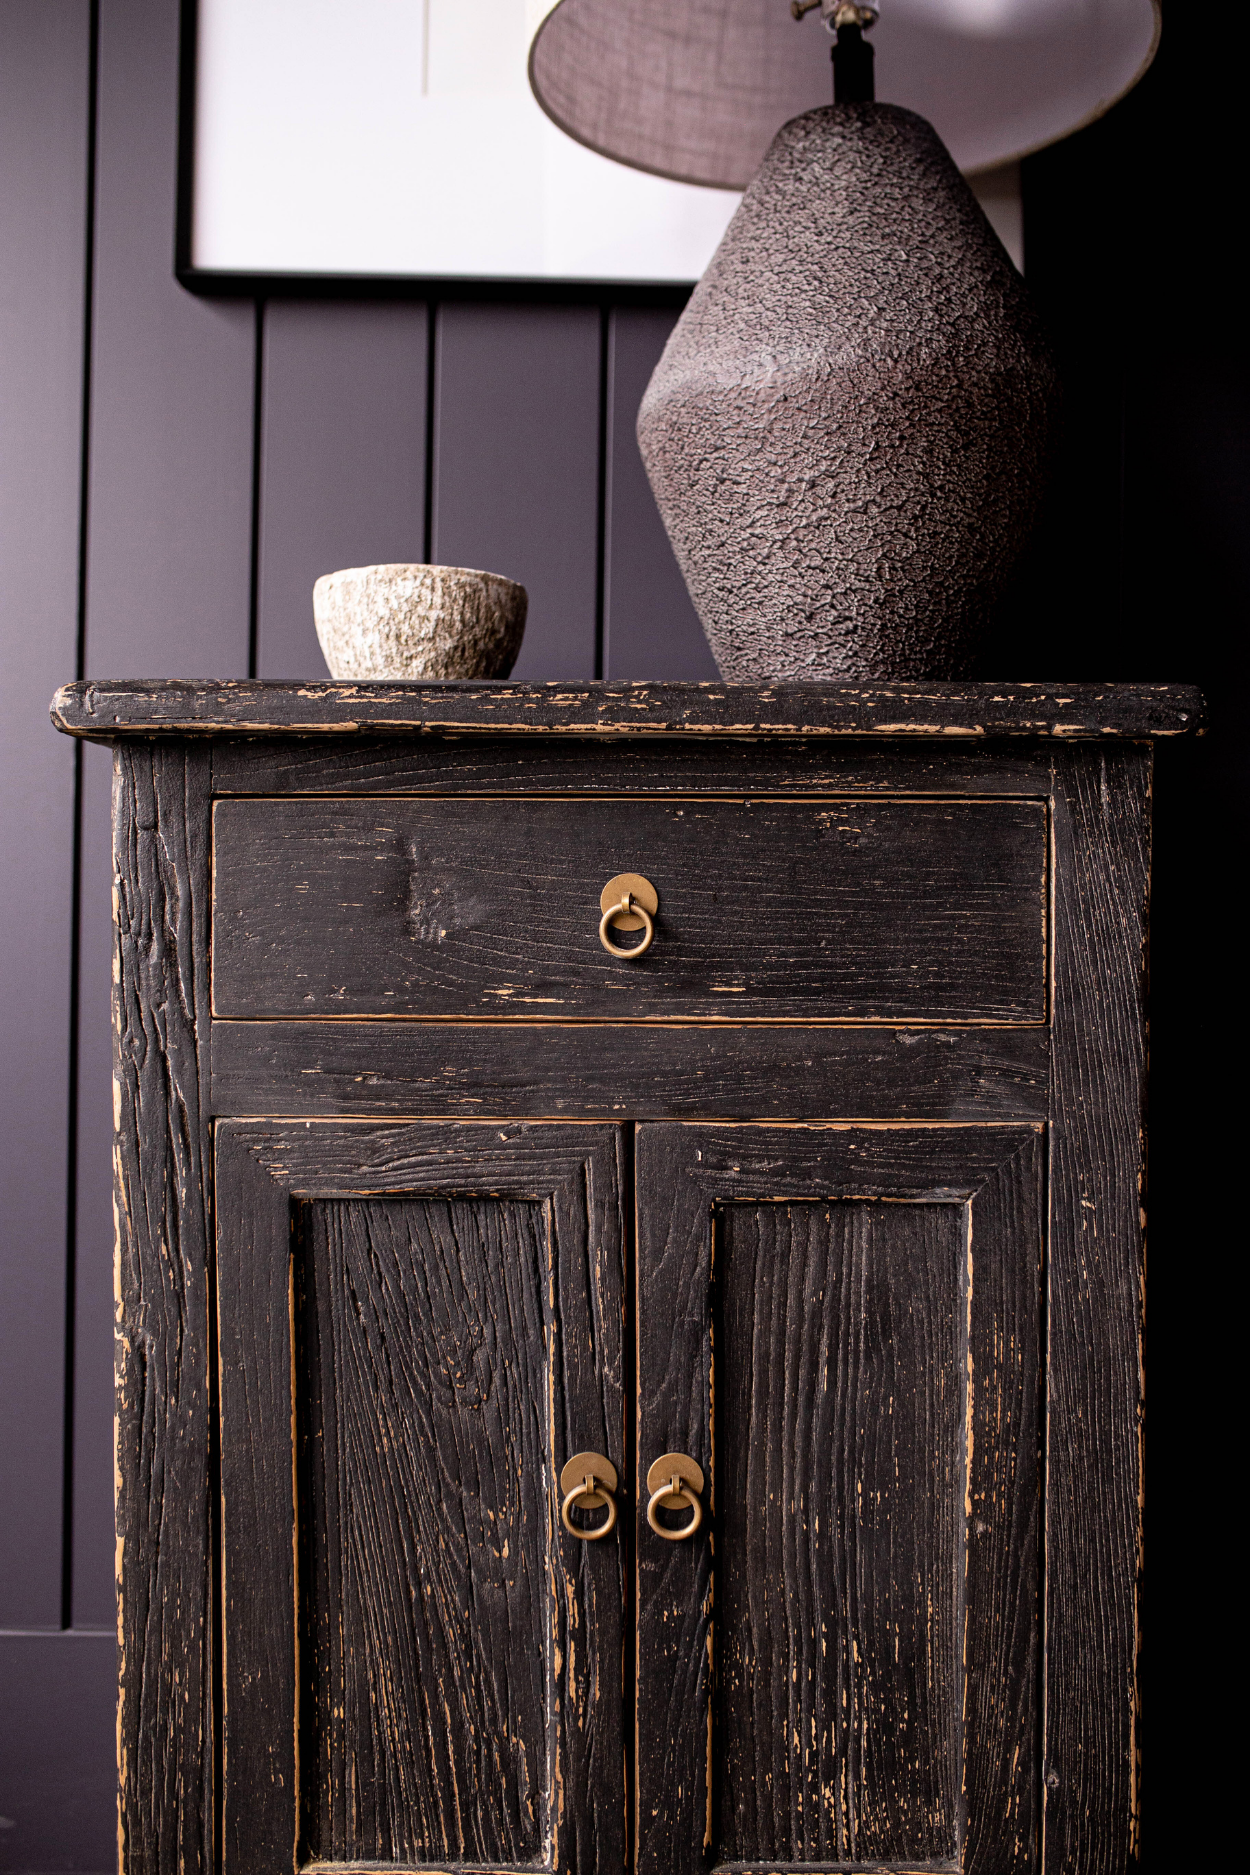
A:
{"points": [[418, 1322]]}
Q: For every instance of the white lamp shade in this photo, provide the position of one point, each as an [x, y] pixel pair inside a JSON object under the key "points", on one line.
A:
{"points": [[697, 89]]}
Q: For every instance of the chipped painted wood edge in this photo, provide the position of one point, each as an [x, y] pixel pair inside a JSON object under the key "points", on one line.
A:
{"points": [[103, 710], [162, 1205], [1095, 1301]]}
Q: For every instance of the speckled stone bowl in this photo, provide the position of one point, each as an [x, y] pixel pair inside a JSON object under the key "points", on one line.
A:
{"points": [[409, 622]]}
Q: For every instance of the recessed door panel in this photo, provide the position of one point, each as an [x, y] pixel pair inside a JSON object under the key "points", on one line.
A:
{"points": [[841, 1325], [419, 1323], [839, 1428], [423, 1396]]}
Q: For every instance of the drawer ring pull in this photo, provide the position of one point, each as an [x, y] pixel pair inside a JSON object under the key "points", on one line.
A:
{"points": [[629, 901], [674, 1481], [589, 1481]]}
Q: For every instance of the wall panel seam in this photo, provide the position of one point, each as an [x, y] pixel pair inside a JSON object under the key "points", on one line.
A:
{"points": [[76, 842], [258, 437]]}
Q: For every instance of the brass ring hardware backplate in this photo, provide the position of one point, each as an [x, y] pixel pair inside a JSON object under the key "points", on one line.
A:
{"points": [[673, 1481], [628, 903], [589, 1481]]}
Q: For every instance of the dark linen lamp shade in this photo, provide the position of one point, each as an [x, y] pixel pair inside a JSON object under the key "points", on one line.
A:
{"points": [[697, 89]]}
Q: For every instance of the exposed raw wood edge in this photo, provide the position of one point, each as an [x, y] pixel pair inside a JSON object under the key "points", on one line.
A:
{"points": [[1073, 711], [833, 1868], [917, 1025], [830, 1868]]}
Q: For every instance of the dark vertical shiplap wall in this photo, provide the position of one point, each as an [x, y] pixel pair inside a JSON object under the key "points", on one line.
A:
{"points": [[56, 1678], [516, 466], [187, 467], [44, 90], [342, 459], [650, 628]]}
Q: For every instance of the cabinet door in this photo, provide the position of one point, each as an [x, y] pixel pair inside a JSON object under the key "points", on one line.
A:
{"points": [[842, 1326], [418, 1323]]}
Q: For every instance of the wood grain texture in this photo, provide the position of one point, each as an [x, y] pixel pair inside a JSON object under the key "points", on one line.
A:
{"points": [[838, 1334], [647, 1072], [529, 1645], [163, 1199], [342, 468], [424, 1397], [1002, 1591], [259, 1634], [967, 1775], [880, 911], [1093, 1523], [1091, 711], [408, 764]]}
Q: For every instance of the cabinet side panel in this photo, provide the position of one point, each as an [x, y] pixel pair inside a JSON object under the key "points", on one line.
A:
{"points": [[422, 1394], [1095, 1301], [164, 1732], [839, 1334]]}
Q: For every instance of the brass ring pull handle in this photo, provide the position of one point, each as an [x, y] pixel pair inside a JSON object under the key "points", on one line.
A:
{"points": [[589, 1481], [673, 1481], [628, 903]]}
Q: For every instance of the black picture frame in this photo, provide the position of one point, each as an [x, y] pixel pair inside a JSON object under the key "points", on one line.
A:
{"points": [[213, 283]]}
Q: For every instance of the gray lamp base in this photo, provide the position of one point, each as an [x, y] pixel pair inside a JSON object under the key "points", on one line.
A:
{"points": [[849, 429]]}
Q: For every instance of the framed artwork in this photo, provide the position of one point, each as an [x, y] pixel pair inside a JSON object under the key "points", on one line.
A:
{"points": [[398, 141]]}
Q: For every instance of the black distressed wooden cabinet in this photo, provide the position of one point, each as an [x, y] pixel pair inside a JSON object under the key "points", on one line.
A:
{"points": [[837, 1191]]}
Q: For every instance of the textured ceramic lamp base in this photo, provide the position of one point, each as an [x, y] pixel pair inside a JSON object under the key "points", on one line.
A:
{"points": [[849, 429]]}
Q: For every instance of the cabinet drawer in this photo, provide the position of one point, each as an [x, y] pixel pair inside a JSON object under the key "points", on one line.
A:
{"points": [[888, 910]]}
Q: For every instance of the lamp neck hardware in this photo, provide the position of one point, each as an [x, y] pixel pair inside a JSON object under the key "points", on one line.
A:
{"points": [[852, 55], [836, 13]]}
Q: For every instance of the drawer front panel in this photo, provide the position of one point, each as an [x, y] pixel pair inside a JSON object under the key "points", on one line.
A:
{"points": [[866, 910]]}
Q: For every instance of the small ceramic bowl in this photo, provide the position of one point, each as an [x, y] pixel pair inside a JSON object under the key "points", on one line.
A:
{"points": [[407, 623]]}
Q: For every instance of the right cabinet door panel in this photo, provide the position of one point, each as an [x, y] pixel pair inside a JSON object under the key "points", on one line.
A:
{"points": [[842, 1325]]}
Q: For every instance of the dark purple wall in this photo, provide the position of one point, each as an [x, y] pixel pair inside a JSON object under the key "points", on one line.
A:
{"points": [[175, 472]]}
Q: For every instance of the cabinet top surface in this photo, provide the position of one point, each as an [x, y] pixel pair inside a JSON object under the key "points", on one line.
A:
{"points": [[102, 709]]}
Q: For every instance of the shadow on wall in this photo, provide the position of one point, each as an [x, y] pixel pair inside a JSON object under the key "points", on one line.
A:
{"points": [[57, 1804]]}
